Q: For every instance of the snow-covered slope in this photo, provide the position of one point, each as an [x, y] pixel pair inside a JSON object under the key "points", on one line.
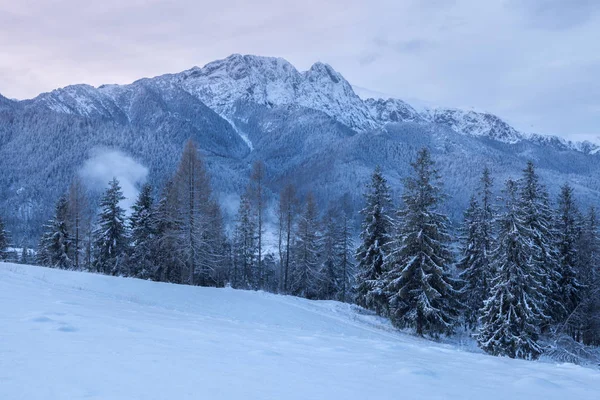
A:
{"points": [[70, 335], [393, 110], [474, 124]]}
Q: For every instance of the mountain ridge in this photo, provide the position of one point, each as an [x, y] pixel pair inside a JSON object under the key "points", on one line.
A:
{"points": [[273, 81], [309, 128]]}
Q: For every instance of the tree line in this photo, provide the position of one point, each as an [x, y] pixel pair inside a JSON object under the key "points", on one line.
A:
{"points": [[519, 270], [180, 237], [524, 271]]}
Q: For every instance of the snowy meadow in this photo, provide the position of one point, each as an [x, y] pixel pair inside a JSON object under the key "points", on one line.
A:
{"points": [[74, 335]]}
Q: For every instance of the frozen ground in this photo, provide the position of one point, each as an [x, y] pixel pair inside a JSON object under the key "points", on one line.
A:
{"points": [[70, 335]]}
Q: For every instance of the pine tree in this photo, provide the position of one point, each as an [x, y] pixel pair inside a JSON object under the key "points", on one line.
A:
{"points": [[512, 316], [568, 231], [336, 249], [244, 247], [475, 264], [587, 315], [78, 220], [417, 281], [288, 204], [258, 201], [305, 276], [110, 236], [375, 236], [4, 241], [54, 245], [346, 254], [331, 266], [142, 228], [166, 244], [537, 216]]}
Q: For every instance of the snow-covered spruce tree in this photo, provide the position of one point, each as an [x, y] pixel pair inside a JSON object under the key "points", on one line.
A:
{"points": [[477, 239], [78, 220], [305, 275], [110, 236], [567, 236], [3, 241], [537, 217], [417, 280], [142, 228], [472, 265], [166, 243], [331, 273], [244, 247], [346, 253], [587, 315], [511, 318], [337, 253], [54, 245], [375, 235]]}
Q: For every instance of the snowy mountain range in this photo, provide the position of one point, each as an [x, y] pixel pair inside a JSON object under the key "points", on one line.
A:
{"points": [[310, 128], [273, 82]]}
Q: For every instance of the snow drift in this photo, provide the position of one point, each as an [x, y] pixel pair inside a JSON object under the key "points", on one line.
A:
{"points": [[73, 335]]}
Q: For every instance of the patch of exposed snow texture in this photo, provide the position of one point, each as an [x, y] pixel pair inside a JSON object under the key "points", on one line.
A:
{"points": [[106, 337]]}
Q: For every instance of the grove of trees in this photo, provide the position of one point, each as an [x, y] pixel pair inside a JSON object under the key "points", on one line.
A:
{"points": [[520, 273]]}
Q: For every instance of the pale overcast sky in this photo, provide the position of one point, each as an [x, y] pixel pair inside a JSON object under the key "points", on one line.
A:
{"points": [[535, 63]]}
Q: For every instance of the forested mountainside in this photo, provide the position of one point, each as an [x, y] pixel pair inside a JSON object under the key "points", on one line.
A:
{"points": [[309, 128]]}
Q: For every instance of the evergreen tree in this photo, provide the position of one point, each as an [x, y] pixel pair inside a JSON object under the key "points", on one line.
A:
{"points": [[142, 228], [537, 216], [336, 249], [587, 315], [4, 241], [475, 264], [331, 264], [512, 316], [244, 247], [54, 244], [288, 204], [78, 220], [167, 237], [257, 194], [305, 276], [375, 236], [417, 281], [110, 236], [568, 231], [346, 254]]}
